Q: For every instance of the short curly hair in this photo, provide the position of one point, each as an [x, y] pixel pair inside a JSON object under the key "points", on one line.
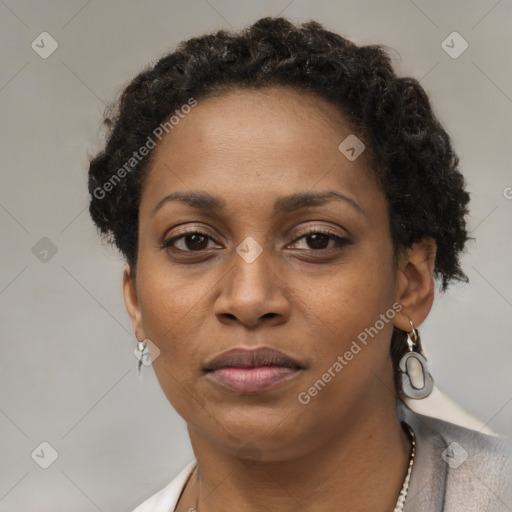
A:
{"points": [[410, 152]]}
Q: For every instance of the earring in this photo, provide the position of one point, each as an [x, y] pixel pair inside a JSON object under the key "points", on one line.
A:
{"points": [[140, 352], [417, 382]]}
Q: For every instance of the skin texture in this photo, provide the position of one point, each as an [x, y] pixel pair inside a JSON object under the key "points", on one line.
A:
{"points": [[268, 451]]}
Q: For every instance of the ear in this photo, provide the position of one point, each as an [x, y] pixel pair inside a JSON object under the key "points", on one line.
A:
{"points": [[415, 283], [131, 302]]}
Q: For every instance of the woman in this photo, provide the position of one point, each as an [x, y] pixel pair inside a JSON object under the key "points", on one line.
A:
{"points": [[284, 202]]}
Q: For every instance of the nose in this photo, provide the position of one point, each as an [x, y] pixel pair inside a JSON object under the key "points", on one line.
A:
{"points": [[253, 293]]}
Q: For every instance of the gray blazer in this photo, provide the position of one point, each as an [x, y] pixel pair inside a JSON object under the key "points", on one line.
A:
{"points": [[457, 469]]}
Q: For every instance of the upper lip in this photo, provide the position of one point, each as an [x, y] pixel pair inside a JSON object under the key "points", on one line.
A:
{"points": [[250, 358]]}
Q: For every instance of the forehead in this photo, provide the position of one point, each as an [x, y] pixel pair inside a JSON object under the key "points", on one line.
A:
{"points": [[256, 143], [271, 118]]}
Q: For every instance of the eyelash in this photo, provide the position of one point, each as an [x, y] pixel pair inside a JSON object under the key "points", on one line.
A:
{"points": [[338, 240]]}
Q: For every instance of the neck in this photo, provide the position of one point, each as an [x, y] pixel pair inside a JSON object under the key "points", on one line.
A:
{"points": [[360, 467]]}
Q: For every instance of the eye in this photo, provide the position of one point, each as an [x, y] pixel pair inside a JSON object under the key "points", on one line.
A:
{"points": [[318, 239], [190, 241]]}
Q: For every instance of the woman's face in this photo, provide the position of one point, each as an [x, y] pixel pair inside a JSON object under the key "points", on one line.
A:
{"points": [[250, 160]]}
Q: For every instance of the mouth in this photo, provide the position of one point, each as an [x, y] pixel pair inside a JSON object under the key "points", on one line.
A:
{"points": [[246, 371]]}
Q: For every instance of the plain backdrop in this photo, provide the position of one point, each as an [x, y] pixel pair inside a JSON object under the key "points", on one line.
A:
{"points": [[67, 371]]}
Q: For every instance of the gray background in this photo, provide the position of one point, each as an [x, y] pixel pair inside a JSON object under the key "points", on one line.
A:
{"points": [[67, 372]]}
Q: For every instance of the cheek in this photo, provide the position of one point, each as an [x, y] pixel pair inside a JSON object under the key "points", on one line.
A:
{"points": [[169, 303], [351, 358], [347, 315], [352, 311], [172, 316]]}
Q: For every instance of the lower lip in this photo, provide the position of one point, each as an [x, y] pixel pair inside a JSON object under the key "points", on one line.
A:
{"points": [[252, 380]]}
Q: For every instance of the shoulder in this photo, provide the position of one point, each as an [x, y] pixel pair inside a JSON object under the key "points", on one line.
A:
{"points": [[473, 451], [165, 499], [473, 469], [478, 442]]}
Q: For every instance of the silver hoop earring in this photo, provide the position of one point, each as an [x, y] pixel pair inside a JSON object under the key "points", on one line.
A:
{"points": [[417, 382]]}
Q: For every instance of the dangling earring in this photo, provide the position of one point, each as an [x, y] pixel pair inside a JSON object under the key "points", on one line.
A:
{"points": [[139, 352], [417, 382]]}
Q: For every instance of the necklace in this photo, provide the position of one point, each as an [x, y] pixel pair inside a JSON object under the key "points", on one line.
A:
{"points": [[405, 487]]}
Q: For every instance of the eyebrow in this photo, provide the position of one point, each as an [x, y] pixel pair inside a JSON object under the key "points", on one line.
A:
{"points": [[283, 205]]}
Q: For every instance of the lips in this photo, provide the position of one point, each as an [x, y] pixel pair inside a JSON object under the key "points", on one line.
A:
{"points": [[244, 358], [251, 371]]}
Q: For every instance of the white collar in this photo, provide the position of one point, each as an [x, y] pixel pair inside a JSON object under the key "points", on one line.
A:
{"points": [[166, 499]]}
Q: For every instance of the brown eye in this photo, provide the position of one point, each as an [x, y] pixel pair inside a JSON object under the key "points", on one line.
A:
{"points": [[318, 240], [192, 241], [195, 242]]}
